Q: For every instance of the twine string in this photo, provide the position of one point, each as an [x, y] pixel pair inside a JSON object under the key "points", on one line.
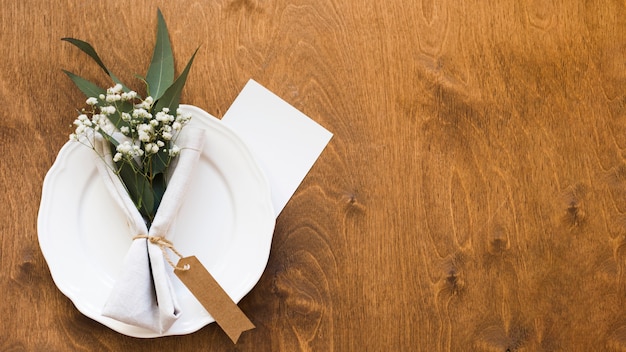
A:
{"points": [[164, 244]]}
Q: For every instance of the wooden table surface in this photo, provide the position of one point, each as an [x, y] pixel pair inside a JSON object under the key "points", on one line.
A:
{"points": [[473, 197]]}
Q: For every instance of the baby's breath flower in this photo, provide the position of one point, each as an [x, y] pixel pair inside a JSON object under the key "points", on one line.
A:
{"points": [[108, 110], [92, 101], [116, 89], [138, 151], [80, 129], [174, 151], [111, 98], [147, 103], [124, 147], [126, 96], [125, 130], [162, 116], [141, 113], [151, 148], [145, 132]]}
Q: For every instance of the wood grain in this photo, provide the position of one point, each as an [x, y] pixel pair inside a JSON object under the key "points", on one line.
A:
{"points": [[473, 197]]}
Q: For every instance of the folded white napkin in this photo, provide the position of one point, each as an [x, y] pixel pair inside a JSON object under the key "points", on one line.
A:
{"points": [[143, 294]]}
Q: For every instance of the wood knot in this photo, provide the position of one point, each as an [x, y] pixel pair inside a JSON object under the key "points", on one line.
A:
{"points": [[452, 282], [574, 214], [27, 267], [248, 5], [352, 203], [498, 240], [498, 337]]}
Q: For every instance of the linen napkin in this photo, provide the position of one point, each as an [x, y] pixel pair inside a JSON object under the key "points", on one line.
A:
{"points": [[143, 294]]}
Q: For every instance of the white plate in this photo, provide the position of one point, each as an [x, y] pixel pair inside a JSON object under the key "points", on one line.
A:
{"points": [[227, 222]]}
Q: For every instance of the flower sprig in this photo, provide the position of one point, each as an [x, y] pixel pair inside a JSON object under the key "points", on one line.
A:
{"points": [[141, 132]]}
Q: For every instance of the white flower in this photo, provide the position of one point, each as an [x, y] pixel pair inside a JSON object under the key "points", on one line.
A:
{"points": [[124, 147], [174, 150], [116, 89], [145, 132], [108, 110], [146, 103], [117, 157], [166, 136], [141, 113], [92, 101], [97, 118], [125, 130], [137, 150], [182, 117], [177, 126], [126, 116], [126, 96], [110, 98], [151, 148], [160, 144], [162, 116]]}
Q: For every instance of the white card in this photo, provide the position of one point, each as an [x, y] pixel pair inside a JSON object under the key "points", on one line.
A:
{"points": [[285, 142]]}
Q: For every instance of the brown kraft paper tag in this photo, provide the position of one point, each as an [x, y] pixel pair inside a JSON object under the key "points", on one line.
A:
{"points": [[213, 297]]}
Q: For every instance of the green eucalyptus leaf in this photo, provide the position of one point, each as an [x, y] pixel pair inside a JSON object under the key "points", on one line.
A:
{"points": [[158, 186], [171, 97], [85, 86], [89, 50], [161, 71], [129, 179], [160, 161], [138, 188], [147, 197]]}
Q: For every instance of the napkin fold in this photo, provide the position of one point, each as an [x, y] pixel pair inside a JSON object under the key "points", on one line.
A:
{"points": [[143, 294]]}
